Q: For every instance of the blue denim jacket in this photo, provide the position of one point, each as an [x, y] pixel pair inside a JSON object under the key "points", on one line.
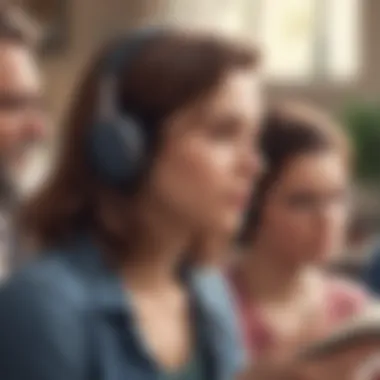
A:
{"points": [[371, 272], [66, 317]]}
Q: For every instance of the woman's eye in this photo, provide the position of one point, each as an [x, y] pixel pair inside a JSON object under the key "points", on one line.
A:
{"points": [[307, 201]]}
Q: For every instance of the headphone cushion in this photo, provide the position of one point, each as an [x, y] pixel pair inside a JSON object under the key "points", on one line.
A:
{"points": [[117, 149]]}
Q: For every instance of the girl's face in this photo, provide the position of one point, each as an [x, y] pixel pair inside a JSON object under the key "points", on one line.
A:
{"points": [[305, 212], [203, 174]]}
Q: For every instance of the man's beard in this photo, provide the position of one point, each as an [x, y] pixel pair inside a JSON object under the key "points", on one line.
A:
{"points": [[12, 173]]}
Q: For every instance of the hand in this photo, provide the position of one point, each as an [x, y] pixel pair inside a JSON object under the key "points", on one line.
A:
{"points": [[356, 363], [281, 371], [343, 367]]}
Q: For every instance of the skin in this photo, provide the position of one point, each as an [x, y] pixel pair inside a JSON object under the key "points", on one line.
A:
{"points": [[302, 225], [22, 120], [356, 363], [306, 212], [200, 180], [204, 172]]}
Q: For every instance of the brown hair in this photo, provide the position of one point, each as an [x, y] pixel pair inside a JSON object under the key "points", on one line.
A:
{"points": [[289, 130], [173, 71]]}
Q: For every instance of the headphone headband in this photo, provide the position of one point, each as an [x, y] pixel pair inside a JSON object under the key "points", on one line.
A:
{"points": [[118, 141], [121, 58], [128, 48]]}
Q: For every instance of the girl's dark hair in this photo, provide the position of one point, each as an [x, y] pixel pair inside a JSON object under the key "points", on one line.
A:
{"points": [[172, 72], [289, 130]]}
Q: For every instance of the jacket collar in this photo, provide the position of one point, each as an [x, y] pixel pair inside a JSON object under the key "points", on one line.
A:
{"points": [[105, 286], [209, 290]]}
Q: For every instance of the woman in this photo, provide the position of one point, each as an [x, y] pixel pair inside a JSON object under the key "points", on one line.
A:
{"points": [[157, 149], [295, 223]]}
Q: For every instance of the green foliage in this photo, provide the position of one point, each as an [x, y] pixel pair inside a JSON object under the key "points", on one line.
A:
{"points": [[363, 123]]}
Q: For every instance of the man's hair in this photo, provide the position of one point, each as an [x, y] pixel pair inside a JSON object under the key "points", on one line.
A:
{"points": [[17, 27]]}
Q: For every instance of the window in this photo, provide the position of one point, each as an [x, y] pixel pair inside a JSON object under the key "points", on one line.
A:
{"points": [[306, 40], [302, 40], [222, 15]]}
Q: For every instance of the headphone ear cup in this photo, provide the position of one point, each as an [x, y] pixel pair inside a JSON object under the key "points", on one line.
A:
{"points": [[117, 149]]}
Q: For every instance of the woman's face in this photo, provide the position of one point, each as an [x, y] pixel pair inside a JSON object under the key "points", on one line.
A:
{"points": [[203, 174], [305, 211]]}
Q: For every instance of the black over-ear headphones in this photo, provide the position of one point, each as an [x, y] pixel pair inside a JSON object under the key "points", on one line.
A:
{"points": [[117, 140]]}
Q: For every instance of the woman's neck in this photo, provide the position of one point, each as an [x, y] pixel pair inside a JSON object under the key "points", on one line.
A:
{"points": [[153, 264], [156, 254], [267, 279]]}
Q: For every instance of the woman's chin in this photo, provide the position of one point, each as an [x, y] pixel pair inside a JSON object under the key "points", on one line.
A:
{"points": [[228, 226]]}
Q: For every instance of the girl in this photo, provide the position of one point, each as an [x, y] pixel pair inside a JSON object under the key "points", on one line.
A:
{"points": [[157, 149], [295, 223]]}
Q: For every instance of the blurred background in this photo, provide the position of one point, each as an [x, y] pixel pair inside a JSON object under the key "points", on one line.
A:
{"points": [[324, 51]]}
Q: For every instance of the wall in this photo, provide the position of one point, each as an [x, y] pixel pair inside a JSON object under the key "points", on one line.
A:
{"points": [[89, 25], [367, 85]]}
